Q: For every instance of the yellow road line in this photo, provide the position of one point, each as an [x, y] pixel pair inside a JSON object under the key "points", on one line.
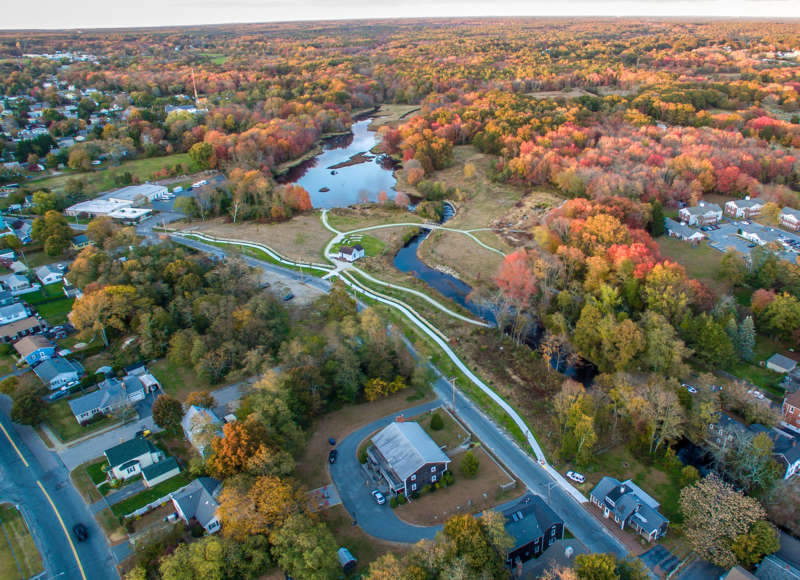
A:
{"points": [[14, 445], [63, 527]]}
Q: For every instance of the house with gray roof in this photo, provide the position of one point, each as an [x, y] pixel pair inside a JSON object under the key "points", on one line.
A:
{"points": [[197, 502], [702, 214], [781, 364], [49, 274], [58, 372], [200, 426], [407, 458], [775, 568], [127, 459], [682, 231], [790, 218], [13, 312], [112, 395], [743, 208], [629, 506], [533, 526]]}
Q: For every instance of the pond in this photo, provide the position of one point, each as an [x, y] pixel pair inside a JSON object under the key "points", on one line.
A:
{"points": [[346, 173]]}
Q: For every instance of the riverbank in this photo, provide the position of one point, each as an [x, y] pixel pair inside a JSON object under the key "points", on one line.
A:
{"points": [[287, 166]]}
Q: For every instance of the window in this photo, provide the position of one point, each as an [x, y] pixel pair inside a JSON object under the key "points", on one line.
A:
{"points": [[414, 477], [433, 469], [131, 469], [413, 487], [433, 478], [213, 525]]}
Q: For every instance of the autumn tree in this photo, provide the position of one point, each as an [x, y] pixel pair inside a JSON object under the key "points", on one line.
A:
{"points": [[715, 514], [200, 399], [53, 231], [107, 307], [305, 549], [257, 508], [167, 412]]}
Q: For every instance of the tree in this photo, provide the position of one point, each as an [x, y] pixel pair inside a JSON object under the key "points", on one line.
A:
{"points": [[44, 202], [108, 307], [79, 159], [470, 464], [596, 567], [657, 222], [437, 423], [305, 549], [53, 230], [466, 537], [781, 317], [202, 559], [167, 412], [664, 352], [200, 399], [732, 268], [746, 338], [100, 229], [715, 514], [259, 508], [761, 540], [202, 154], [27, 408]]}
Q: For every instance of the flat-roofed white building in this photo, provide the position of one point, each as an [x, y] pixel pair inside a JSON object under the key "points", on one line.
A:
{"points": [[137, 194], [130, 215], [96, 207]]}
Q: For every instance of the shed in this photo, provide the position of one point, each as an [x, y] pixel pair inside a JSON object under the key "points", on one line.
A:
{"points": [[346, 559], [781, 364]]}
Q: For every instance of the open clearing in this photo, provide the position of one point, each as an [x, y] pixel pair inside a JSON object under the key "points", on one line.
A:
{"points": [[465, 496], [103, 179], [362, 216], [453, 251], [302, 238], [701, 261], [392, 115], [311, 467], [19, 557]]}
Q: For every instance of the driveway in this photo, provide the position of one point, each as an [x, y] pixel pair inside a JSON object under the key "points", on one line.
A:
{"points": [[353, 487], [93, 447]]}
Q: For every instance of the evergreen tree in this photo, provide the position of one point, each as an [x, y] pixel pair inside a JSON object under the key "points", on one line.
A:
{"points": [[733, 332], [746, 339], [657, 223]]}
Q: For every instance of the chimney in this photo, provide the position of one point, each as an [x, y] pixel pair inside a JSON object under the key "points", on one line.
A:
{"points": [[400, 419]]}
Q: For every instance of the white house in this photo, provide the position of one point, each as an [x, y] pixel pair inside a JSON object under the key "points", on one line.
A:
{"points": [[743, 208], [129, 458], [703, 213], [198, 502], [17, 284], [13, 312], [58, 372], [790, 218], [682, 231], [781, 364], [351, 253], [49, 274]]}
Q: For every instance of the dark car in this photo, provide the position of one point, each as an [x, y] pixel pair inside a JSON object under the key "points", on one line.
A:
{"points": [[332, 455], [332, 441], [288, 297], [80, 532]]}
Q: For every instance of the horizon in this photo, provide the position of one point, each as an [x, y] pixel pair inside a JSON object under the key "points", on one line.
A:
{"points": [[95, 15]]}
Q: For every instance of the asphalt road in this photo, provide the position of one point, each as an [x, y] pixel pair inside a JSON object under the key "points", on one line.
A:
{"points": [[34, 480]]}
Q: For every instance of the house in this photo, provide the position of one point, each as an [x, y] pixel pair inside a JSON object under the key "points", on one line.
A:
{"points": [[790, 218], [22, 230], [761, 235], [629, 506], [20, 328], [200, 426], [129, 457], [112, 394], [682, 231], [743, 208], [80, 241], [136, 195], [773, 567], [161, 471], [17, 284], [737, 573], [533, 526], [35, 349], [703, 213], [197, 502], [406, 457], [13, 312], [49, 274], [791, 382], [790, 410], [6, 298], [781, 364], [71, 291], [351, 253], [58, 372]]}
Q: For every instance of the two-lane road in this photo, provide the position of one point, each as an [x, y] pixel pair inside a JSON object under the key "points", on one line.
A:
{"points": [[51, 507]]}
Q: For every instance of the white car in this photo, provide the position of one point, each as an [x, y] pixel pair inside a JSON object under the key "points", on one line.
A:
{"points": [[689, 388], [575, 476], [379, 499]]}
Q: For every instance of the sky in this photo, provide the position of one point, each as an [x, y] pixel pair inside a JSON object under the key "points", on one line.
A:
{"points": [[56, 14]]}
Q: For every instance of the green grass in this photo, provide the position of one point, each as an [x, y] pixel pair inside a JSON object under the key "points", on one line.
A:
{"points": [[178, 381], [102, 180], [450, 436], [19, 557], [56, 311], [60, 419], [701, 261], [95, 471], [372, 246], [85, 479], [142, 499]]}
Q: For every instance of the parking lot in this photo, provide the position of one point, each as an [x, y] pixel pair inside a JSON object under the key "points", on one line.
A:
{"points": [[726, 235]]}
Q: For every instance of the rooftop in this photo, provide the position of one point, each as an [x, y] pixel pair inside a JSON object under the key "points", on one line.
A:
{"points": [[31, 344], [128, 450], [49, 369], [783, 362], [406, 447]]}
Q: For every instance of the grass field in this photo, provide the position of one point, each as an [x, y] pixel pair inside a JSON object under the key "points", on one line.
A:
{"points": [[85, 478], [56, 311], [102, 180], [450, 436], [346, 219], [111, 526], [178, 381], [701, 261], [372, 245], [151, 494], [60, 419], [472, 263], [19, 557]]}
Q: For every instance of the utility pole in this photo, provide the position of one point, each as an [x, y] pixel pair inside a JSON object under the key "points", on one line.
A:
{"points": [[452, 381], [549, 487]]}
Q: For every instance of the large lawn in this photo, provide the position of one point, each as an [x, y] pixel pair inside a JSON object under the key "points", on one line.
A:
{"points": [[701, 261], [103, 179], [50, 302], [86, 476], [158, 491], [19, 557], [178, 381], [60, 419], [372, 245], [448, 437]]}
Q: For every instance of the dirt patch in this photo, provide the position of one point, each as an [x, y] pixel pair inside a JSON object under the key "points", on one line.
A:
{"points": [[525, 214], [356, 159], [464, 496], [472, 263], [365, 215], [392, 115], [311, 467], [302, 238]]}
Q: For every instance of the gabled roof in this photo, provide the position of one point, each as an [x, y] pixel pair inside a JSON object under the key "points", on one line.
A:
{"points": [[14, 328], [160, 468], [406, 447], [528, 519], [793, 399], [346, 250], [44, 271], [198, 499], [128, 451], [703, 208], [682, 230], [783, 362], [792, 212], [16, 310], [110, 393], [30, 344], [745, 202], [49, 369]]}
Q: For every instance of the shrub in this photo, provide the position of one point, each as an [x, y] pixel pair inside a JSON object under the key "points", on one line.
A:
{"points": [[426, 488], [437, 423], [196, 530], [415, 495], [448, 478], [362, 455], [401, 499], [470, 464], [393, 502]]}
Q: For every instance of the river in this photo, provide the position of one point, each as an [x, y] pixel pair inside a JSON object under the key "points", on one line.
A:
{"points": [[360, 182]]}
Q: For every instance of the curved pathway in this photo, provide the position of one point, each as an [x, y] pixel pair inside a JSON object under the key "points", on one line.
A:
{"points": [[354, 488]]}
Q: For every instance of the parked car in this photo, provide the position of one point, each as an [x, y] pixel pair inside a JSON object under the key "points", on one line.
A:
{"points": [[331, 440], [58, 394], [379, 499], [80, 532], [575, 476], [689, 388], [288, 297], [332, 455]]}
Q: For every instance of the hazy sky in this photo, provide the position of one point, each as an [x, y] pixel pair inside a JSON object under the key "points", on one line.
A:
{"points": [[125, 13]]}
